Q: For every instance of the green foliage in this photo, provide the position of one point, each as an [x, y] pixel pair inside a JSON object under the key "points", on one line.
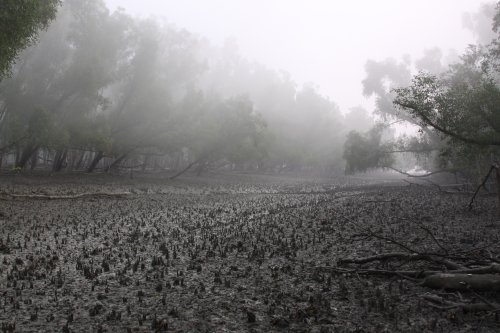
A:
{"points": [[107, 83], [20, 21], [227, 129], [366, 151], [457, 109], [463, 107], [65, 75]]}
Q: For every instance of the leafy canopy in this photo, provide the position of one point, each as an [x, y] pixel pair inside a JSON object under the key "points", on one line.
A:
{"points": [[20, 21], [463, 104]]}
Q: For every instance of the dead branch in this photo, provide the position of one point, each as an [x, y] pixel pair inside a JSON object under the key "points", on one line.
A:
{"points": [[442, 304], [453, 171], [483, 184], [429, 232], [388, 239], [402, 256], [445, 256], [441, 189], [414, 275], [493, 306], [467, 279], [411, 183], [65, 197], [189, 166], [490, 269]]}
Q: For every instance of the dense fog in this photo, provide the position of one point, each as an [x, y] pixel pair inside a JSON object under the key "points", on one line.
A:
{"points": [[110, 90], [249, 166]]}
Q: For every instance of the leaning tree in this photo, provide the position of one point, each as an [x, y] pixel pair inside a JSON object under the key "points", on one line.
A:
{"points": [[462, 106]]}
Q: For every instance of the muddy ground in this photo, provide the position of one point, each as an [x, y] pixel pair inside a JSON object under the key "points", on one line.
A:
{"points": [[230, 254]]}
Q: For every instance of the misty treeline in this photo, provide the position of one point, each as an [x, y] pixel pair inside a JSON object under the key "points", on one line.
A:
{"points": [[453, 102], [101, 90]]}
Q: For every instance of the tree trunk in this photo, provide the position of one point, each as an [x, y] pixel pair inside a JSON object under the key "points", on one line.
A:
{"points": [[95, 161], [116, 163], [190, 165], [201, 167], [59, 160], [34, 160], [80, 161], [18, 156], [177, 161], [63, 161], [145, 163], [57, 157], [498, 187], [26, 156]]}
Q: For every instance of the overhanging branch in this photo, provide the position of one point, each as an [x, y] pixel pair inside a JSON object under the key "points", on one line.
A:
{"points": [[446, 131], [425, 175]]}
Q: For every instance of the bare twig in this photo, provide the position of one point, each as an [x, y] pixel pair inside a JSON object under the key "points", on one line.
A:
{"points": [[390, 240], [429, 232], [493, 306]]}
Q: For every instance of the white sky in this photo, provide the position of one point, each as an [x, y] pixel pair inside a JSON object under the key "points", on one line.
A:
{"points": [[326, 42]]}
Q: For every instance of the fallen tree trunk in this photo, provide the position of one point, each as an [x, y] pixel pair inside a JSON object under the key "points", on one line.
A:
{"points": [[490, 269], [453, 281], [404, 256]]}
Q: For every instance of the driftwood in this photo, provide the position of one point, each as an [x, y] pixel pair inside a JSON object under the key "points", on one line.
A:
{"points": [[7, 196]]}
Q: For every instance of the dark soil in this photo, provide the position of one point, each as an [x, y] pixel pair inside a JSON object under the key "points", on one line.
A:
{"points": [[228, 254]]}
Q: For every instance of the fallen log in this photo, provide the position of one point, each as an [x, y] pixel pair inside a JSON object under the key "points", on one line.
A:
{"points": [[413, 275], [453, 281], [65, 197], [492, 270]]}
